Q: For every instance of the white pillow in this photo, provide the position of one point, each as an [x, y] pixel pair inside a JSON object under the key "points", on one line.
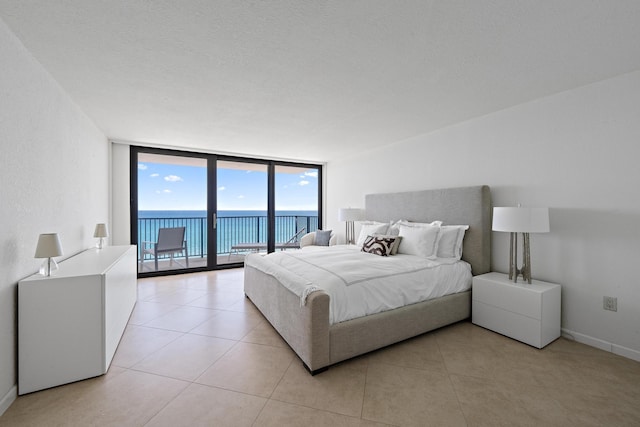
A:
{"points": [[370, 228], [393, 230], [421, 241], [450, 241], [418, 224]]}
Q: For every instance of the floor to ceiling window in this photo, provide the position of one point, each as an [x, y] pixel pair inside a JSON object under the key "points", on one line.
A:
{"points": [[197, 211], [171, 212], [242, 205], [296, 203]]}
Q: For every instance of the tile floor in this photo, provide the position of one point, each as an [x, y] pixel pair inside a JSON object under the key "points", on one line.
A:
{"points": [[196, 352]]}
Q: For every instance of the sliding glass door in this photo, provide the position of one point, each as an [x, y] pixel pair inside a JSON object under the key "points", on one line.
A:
{"points": [[171, 212], [242, 205], [197, 211], [296, 204]]}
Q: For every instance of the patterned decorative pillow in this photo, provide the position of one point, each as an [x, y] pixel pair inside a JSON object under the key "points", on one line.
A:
{"points": [[378, 245], [396, 244]]}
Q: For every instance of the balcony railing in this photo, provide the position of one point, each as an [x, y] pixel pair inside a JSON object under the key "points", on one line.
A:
{"points": [[231, 230]]}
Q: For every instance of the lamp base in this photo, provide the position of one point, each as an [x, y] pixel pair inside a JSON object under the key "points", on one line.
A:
{"points": [[350, 233], [514, 271], [100, 243], [48, 267]]}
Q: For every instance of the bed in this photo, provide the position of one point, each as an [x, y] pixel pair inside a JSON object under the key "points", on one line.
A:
{"points": [[305, 323]]}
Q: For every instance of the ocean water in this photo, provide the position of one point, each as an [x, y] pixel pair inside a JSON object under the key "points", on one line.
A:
{"points": [[232, 227]]}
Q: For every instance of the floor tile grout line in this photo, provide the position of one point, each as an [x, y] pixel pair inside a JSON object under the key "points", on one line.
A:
{"points": [[154, 351], [301, 405], [364, 391], [269, 398], [195, 381]]}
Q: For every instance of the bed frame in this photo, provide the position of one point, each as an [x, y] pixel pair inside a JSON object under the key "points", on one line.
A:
{"points": [[306, 328]]}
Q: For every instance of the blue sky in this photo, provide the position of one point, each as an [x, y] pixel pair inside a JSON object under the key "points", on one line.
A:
{"points": [[164, 186]]}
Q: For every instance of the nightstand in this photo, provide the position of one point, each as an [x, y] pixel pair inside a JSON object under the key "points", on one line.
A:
{"points": [[526, 312]]}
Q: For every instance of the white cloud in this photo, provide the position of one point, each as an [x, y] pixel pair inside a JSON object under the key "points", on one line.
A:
{"points": [[172, 178], [303, 182], [221, 188], [241, 197], [166, 191], [312, 174], [154, 175], [142, 166]]}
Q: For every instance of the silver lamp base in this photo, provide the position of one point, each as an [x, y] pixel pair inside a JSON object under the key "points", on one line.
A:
{"points": [[350, 233], [514, 271]]}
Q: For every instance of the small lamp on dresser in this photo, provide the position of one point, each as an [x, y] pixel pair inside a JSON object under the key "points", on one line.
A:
{"points": [[48, 247], [101, 232], [520, 220]]}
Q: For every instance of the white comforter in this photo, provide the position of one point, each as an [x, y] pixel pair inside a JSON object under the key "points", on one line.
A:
{"points": [[360, 283]]}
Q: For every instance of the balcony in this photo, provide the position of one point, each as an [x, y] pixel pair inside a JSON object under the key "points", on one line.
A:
{"points": [[231, 230]]}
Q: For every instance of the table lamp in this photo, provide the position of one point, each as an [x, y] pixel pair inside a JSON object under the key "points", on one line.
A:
{"points": [[48, 247], [520, 220], [101, 232]]}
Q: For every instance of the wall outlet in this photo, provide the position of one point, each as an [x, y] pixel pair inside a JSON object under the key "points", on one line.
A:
{"points": [[610, 303]]}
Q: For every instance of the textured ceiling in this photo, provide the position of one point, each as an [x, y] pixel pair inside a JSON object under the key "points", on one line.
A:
{"points": [[315, 80]]}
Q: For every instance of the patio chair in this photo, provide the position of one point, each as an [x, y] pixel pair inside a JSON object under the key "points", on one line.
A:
{"points": [[170, 241], [292, 243]]}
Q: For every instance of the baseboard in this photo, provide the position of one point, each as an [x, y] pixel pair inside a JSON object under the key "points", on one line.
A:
{"points": [[602, 345], [625, 352], [8, 399]]}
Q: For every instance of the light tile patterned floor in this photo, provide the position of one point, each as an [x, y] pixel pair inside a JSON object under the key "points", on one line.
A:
{"points": [[196, 352]]}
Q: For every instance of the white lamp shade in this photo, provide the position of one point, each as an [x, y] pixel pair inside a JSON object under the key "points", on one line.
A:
{"points": [[350, 214], [521, 220], [101, 231], [48, 246]]}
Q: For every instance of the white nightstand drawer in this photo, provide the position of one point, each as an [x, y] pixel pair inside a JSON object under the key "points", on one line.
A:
{"points": [[513, 297], [513, 325]]}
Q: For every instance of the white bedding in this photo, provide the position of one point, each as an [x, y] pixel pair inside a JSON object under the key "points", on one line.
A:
{"points": [[360, 283]]}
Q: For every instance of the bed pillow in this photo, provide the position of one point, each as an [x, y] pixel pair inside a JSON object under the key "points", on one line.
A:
{"points": [[418, 224], [322, 237], [396, 243], [421, 241], [450, 241], [394, 228], [370, 228], [378, 245]]}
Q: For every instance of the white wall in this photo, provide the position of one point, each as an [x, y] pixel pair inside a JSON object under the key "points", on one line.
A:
{"points": [[120, 194], [55, 178], [576, 152]]}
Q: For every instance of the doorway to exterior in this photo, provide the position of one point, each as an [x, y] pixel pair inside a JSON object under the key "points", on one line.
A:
{"points": [[197, 211]]}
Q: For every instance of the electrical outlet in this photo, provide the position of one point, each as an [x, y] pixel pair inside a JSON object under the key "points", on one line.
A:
{"points": [[610, 303]]}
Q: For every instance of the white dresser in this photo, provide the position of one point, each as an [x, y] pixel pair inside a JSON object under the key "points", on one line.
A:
{"points": [[526, 312], [70, 324]]}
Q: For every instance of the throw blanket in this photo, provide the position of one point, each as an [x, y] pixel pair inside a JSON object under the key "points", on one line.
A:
{"points": [[359, 283]]}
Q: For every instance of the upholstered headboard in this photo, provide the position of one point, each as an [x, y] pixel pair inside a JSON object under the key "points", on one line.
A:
{"points": [[453, 206]]}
